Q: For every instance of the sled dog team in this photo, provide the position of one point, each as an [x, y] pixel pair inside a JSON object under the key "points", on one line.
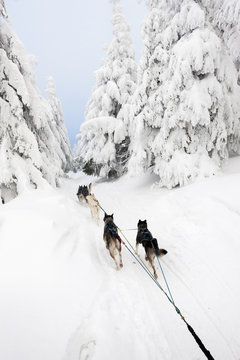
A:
{"points": [[84, 195], [110, 233]]}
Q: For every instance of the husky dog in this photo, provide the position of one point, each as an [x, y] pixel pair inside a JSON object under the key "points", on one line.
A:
{"points": [[83, 192], [111, 238], [94, 206], [149, 243]]}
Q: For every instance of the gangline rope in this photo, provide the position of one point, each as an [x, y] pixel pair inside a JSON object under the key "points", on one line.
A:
{"points": [[169, 297]]}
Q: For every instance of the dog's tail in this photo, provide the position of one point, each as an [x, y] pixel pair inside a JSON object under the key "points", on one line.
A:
{"points": [[159, 252]]}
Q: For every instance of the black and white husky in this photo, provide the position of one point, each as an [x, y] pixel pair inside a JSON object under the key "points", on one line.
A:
{"points": [[83, 192], [149, 243]]}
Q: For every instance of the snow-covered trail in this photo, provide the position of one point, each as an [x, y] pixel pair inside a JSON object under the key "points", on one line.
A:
{"points": [[61, 297], [188, 223]]}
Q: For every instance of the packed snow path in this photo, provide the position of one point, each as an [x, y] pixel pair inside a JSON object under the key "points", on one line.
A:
{"points": [[62, 298]]}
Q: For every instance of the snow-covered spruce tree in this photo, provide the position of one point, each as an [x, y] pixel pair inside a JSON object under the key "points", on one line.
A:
{"points": [[144, 128], [27, 143], [104, 139], [58, 127], [224, 15], [148, 81], [193, 114]]}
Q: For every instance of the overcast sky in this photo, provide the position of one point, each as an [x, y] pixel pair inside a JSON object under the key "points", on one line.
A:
{"points": [[67, 38]]}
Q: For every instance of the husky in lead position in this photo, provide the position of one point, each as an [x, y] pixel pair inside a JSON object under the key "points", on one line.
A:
{"points": [[83, 192], [94, 207]]}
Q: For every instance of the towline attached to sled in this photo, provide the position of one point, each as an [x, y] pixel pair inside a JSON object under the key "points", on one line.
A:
{"points": [[145, 268]]}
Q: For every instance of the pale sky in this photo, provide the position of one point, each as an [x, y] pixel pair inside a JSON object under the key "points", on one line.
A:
{"points": [[67, 38]]}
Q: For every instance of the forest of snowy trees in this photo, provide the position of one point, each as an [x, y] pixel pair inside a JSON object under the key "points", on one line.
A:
{"points": [[34, 145], [177, 113]]}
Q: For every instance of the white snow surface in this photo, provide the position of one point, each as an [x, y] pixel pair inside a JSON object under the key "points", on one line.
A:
{"points": [[63, 299]]}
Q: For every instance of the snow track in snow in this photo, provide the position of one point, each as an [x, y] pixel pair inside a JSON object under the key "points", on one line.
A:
{"points": [[62, 298], [183, 260]]}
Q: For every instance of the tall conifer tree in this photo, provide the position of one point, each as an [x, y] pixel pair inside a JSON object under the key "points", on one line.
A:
{"points": [[104, 139], [27, 143], [190, 115], [58, 126]]}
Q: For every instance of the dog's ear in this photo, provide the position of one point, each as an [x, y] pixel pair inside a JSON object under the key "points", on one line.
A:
{"points": [[105, 216], [145, 221], [112, 216], [139, 222]]}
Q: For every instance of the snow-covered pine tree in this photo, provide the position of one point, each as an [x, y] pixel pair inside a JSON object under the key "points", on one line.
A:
{"points": [[192, 112], [199, 96], [27, 143], [154, 61], [224, 15], [58, 127], [141, 131], [104, 139]]}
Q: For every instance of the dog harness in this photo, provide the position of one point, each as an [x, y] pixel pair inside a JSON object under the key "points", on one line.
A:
{"points": [[112, 228], [146, 234], [83, 190]]}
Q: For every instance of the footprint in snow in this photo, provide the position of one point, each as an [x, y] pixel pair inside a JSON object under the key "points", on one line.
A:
{"points": [[87, 350]]}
